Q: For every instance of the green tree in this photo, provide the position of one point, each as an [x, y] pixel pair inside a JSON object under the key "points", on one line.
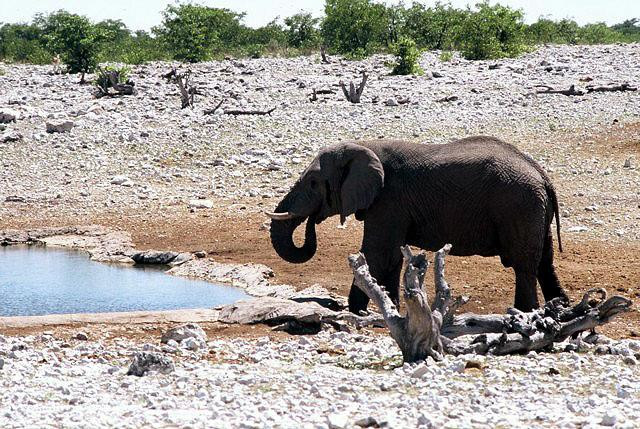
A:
{"points": [[491, 32], [74, 37], [354, 27], [192, 32], [302, 30], [598, 33], [435, 27]]}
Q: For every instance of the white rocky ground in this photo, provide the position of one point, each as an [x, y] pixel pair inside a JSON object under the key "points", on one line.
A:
{"points": [[141, 155], [133, 154], [335, 380]]}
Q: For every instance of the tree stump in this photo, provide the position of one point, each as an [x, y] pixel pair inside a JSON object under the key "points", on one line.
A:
{"points": [[354, 94]]}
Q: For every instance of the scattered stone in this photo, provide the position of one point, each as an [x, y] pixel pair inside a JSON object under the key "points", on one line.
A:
{"points": [[8, 115], [82, 336], [143, 362], [154, 257], [337, 421], [392, 102], [10, 137], [577, 228], [200, 204], [121, 180], [182, 332], [59, 126]]}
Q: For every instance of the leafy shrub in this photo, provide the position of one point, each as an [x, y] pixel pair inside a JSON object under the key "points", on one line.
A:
{"points": [[446, 56], [407, 55], [492, 32], [102, 80]]}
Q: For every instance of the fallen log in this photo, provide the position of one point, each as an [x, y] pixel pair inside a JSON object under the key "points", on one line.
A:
{"points": [[249, 112], [434, 330], [613, 88], [572, 91]]}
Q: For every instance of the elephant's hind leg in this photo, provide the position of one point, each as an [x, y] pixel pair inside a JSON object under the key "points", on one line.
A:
{"points": [[526, 292], [547, 276]]}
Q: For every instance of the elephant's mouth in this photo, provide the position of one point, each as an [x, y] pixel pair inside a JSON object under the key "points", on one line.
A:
{"points": [[283, 225]]}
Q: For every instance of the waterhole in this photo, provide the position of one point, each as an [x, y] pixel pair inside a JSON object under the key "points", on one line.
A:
{"points": [[35, 280]]}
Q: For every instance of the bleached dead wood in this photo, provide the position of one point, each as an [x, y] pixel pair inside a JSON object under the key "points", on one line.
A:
{"points": [[213, 111], [249, 112], [323, 55], [110, 79], [354, 94], [187, 94], [572, 91], [430, 331], [612, 88]]}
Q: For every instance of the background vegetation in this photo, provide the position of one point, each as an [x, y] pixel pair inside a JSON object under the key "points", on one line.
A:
{"points": [[355, 28]]}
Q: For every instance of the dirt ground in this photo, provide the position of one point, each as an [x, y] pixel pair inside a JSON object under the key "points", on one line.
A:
{"points": [[582, 265], [240, 236]]}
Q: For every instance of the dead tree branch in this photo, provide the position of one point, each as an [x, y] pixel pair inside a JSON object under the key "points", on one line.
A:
{"points": [[613, 88], [430, 331], [323, 55], [354, 94], [249, 112], [187, 92], [568, 92], [213, 111], [111, 79]]}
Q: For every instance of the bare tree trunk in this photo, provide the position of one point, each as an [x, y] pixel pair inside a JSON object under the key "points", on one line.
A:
{"points": [[186, 92], [323, 54], [430, 331]]}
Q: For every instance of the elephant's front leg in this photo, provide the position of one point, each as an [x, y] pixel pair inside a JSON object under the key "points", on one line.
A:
{"points": [[385, 265]]}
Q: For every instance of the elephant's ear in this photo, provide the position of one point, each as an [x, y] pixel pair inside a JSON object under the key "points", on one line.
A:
{"points": [[362, 179]]}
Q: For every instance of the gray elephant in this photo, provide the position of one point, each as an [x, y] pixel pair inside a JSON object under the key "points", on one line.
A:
{"points": [[482, 195]]}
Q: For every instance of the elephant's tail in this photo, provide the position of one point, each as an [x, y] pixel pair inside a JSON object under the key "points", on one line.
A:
{"points": [[554, 200]]}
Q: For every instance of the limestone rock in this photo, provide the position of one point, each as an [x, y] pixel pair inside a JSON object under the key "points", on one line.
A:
{"points": [[59, 126], [143, 362]]}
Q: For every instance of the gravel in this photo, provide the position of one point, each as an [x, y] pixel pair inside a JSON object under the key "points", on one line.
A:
{"points": [[333, 379], [143, 154]]}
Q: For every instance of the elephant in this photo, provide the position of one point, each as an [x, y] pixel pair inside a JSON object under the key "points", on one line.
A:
{"points": [[480, 194]]}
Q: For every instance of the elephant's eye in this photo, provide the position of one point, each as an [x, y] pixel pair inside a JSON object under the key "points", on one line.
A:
{"points": [[313, 184]]}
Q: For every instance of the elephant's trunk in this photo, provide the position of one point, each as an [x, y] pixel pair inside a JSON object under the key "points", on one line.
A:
{"points": [[282, 236], [282, 240]]}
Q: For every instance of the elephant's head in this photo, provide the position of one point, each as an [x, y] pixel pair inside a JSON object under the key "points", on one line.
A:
{"points": [[341, 180]]}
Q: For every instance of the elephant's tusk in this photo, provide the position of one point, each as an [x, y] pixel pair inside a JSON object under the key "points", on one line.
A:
{"points": [[281, 216]]}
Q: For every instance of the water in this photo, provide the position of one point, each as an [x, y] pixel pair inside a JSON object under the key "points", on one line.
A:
{"points": [[36, 281]]}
